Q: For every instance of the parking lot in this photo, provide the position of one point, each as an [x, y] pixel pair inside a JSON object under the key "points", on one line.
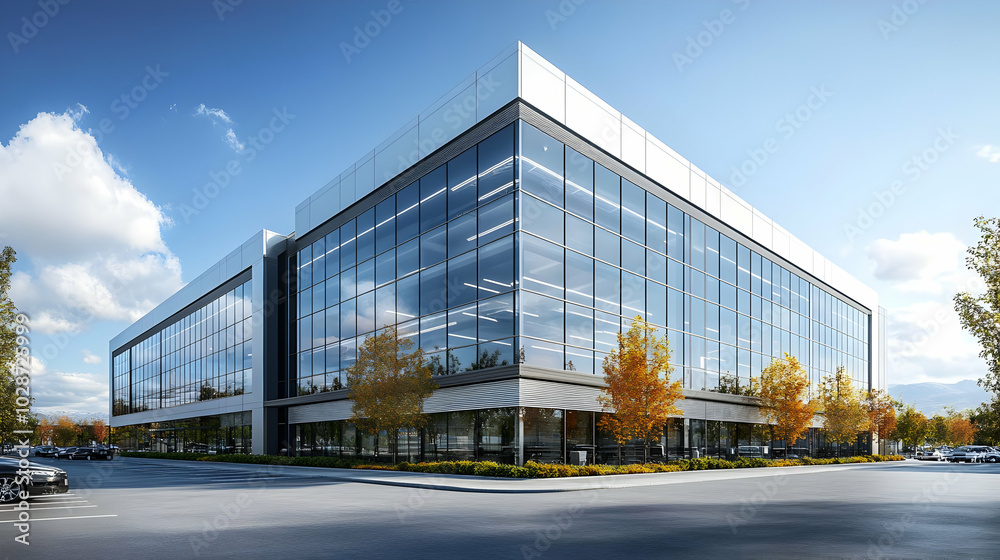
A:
{"points": [[137, 508]]}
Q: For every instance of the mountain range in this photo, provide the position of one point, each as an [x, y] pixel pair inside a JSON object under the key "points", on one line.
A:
{"points": [[931, 398]]}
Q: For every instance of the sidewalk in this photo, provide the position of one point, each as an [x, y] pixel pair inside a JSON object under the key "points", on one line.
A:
{"points": [[466, 483]]}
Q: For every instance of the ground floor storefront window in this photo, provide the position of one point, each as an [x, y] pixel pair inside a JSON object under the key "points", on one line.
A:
{"points": [[546, 435], [220, 434]]}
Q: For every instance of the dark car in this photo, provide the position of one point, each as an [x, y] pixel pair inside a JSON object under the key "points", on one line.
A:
{"points": [[43, 479], [64, 452], [46, 451], [88, 453]]}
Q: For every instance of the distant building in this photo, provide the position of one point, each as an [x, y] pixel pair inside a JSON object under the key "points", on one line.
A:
{"points": [[510, 231]]}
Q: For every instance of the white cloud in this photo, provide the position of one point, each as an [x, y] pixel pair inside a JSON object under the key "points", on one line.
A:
{"points": [[90, 358], [990, 153], [89, 243], [217, 115], [926, 343], [233, 141], [214, 115], [922, 262], [81, 391]]}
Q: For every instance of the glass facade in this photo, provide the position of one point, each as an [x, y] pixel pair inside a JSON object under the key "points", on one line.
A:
{"points": [[204, 355], [435, 260], [596, 250], [219, 434]]}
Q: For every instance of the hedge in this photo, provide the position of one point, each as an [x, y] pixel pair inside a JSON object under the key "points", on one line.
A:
{"points": [[531, 469]]}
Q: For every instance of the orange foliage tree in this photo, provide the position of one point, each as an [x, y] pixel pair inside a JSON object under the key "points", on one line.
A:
{"points": [[65, 432], [639, 391], [782, 392], [881, 414], [960, 431], [44, 431]]}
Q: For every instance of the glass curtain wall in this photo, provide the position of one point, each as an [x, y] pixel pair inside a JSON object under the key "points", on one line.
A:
{"points": [[596, 250], [204, 355], [434, 260]]}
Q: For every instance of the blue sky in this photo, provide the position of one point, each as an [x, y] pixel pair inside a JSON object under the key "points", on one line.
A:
{"points": [[877, 120]]}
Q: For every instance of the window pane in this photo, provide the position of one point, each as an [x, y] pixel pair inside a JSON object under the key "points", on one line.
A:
{"points": [[541, 165], [366, 313], [332, 253], [633, 212], [496, 267], [348, 245], [434, 332], [433, 289], [408, 212], [675, 233], [579, 184], [656, 266], [433, 199], [711, 251], [656, 223], [580, 326], [366, 276], [656, 303], [434, 246], [496, 220], [349, 318], [366, 235], [579, 235], [462, 234], [496, 164], [543, 266], [462, 287], [541, 317], [606, 329], [697, 245], [607, 287], [607, 198], [348, 284], [542, 219], [496, 317], [408, 257], [579, 278], [461, 183], [462, 326], [385, 225], [607, 246], [633, 257], [408, 297], [385, 306], [385, 267]]}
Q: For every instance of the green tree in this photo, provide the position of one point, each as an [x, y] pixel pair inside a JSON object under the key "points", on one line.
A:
{"points": [[937, 431], [844, 414], [980, 314], [912, 426], [638, 389], [388, 383], [782, 391], [10, 329], [986, 419]]}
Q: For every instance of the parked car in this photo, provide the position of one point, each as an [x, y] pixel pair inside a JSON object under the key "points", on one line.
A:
{"points": [[46, 451], [968, 454], [64, 452], [43, 479], [88, 453], [992, 455]]}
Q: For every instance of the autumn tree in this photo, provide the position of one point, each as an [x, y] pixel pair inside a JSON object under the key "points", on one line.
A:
{"points": [[980, 314], [44, 431], [100, 430], [912, 426], [638, 389], [844, 415], [960, 431], [881, 414], [65, 432], [782, 391], [388, 383]]}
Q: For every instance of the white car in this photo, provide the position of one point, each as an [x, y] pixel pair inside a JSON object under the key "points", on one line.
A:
{"points": [[970, 454]]}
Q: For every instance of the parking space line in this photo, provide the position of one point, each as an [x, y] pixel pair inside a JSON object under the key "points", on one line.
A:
{"points": [[40, 508], [60, 518]]}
